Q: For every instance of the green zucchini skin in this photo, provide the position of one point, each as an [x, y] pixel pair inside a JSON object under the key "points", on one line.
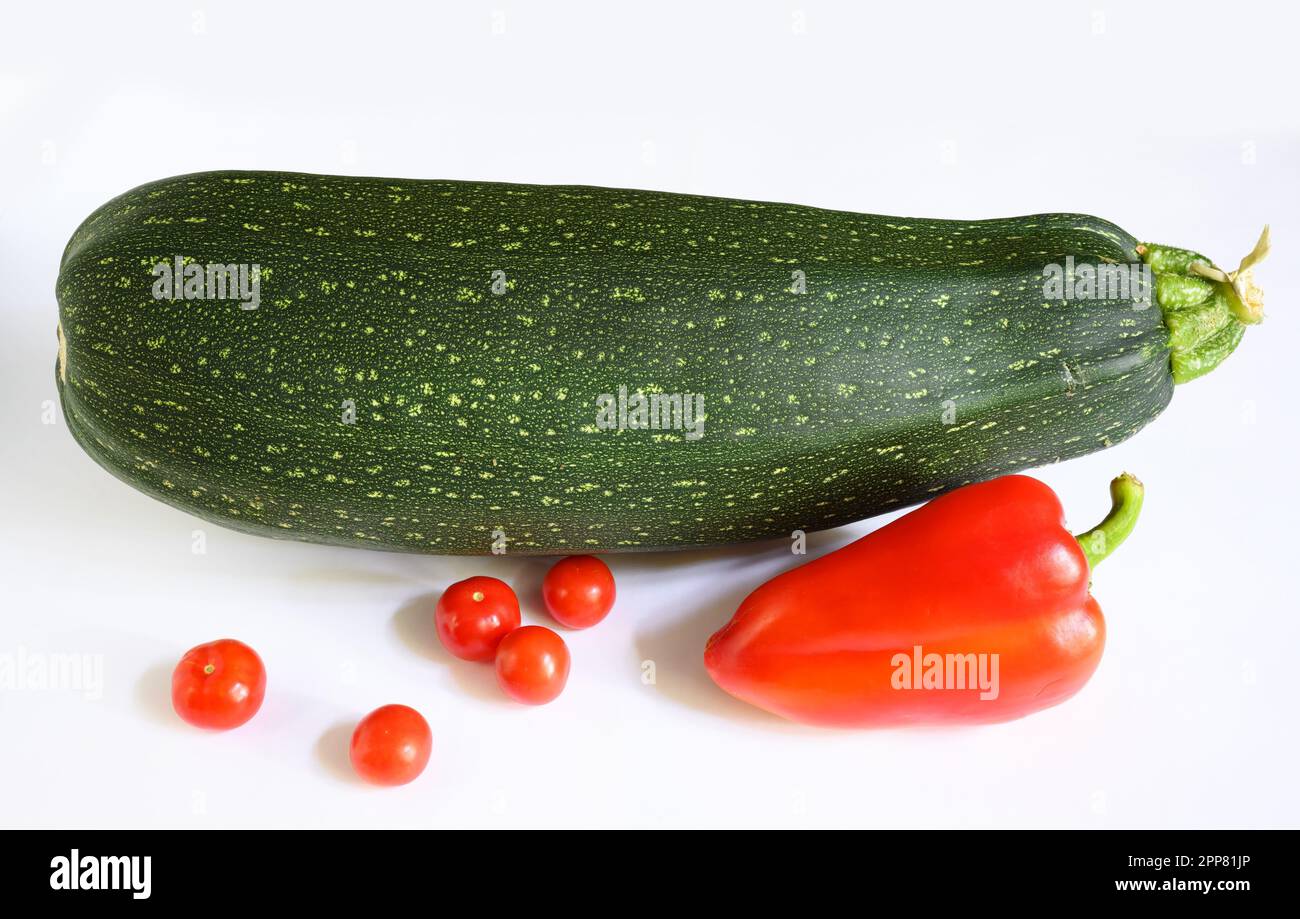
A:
{"points": [[921, 356]]}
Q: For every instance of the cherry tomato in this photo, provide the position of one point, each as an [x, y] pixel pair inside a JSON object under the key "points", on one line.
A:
{"points": [[473, 616], [578, 591], [532, 665], [391, 745], [218, 685]]}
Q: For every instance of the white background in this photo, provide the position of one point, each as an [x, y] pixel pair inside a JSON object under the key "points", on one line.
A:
{"points": [[1175, 120]]}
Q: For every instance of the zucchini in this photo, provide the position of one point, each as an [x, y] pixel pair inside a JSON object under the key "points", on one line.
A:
{"points": [[847, 364]]}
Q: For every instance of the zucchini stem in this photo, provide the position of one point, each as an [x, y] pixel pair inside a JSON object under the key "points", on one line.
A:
{"points": [[1205, 308], [1248, 303]]}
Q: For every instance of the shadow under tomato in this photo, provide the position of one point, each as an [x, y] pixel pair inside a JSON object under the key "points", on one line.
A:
{"points": [[413, 623], [153, 695], [332, 752], [527, 584]]}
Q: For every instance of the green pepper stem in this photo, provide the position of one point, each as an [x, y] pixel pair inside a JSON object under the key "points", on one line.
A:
{"points": [[1126, 503]]}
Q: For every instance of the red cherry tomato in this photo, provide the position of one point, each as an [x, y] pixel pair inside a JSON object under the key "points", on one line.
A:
{"points": [[218, 685], [532, 665], [473, 616], [578, 591], [391, 745]]}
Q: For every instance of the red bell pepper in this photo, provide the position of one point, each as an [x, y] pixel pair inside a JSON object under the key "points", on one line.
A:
{"points": [[972, 608]]}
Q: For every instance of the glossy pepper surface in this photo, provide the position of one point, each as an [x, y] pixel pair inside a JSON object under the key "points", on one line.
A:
{"points": [[972, 608]]}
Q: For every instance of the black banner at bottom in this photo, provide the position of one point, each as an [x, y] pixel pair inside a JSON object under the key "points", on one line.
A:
{"points": [[337, 868]]}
